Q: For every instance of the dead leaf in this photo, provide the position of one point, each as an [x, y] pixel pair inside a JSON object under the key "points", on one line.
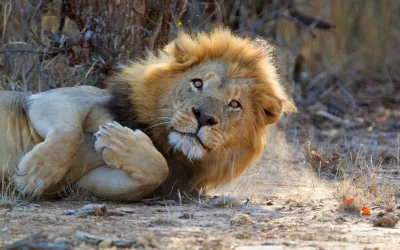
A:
{"points": [[366, 211], [349, 201], [316, 156], [372, 190], [131, 13]]}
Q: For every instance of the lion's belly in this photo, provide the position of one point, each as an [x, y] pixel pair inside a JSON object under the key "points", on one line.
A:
{"points": [[17, 135]]}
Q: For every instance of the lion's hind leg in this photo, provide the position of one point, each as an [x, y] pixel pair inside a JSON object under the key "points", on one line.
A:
{"points": [[134, 166]]}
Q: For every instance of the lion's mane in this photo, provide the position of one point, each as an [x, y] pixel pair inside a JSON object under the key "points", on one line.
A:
{"points": [[144, 88]]}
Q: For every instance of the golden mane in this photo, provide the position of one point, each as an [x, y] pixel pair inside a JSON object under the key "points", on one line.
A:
{"points": [[152, 79]]}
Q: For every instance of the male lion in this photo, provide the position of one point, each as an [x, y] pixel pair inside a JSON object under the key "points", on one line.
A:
{"points": [[192, 116]]}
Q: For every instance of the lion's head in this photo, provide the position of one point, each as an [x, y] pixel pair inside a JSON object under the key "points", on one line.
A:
{"points": [[213, 111], [210, 97]]}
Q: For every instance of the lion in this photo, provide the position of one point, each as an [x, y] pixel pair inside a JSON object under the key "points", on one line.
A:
{"points": [[192, 116]]}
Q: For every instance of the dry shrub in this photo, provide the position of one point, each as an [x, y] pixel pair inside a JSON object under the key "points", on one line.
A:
{"points": [[46, 44], [322, 160], [360, 179]]}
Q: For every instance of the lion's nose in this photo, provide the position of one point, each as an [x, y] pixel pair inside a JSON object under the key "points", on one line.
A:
{"points": [[203, 119]]}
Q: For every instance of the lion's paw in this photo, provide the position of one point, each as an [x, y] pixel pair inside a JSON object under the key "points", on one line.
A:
{"points": [[37, 171], [119, 144]]}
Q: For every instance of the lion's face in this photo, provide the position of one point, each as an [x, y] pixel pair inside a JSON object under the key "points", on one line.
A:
{"points": [[211, 111]]}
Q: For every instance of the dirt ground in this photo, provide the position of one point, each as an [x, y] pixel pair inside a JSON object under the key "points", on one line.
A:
{"points": [[315, 225], [275, 223], [284, 206]]}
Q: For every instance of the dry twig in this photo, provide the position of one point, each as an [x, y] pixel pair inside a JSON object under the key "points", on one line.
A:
{"points": [[95, 239]]}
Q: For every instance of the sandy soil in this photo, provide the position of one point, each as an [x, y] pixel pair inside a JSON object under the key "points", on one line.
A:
{"points": [[286, 208], [278, 225]]}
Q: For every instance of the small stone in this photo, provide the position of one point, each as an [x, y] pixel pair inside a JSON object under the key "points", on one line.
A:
{"points": [[206, 225], [166, 222], [264, 220], [105, 243], [241, 219], [385, 220]]}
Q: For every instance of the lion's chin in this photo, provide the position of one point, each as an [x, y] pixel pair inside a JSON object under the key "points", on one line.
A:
{"points": [[189, 145]]}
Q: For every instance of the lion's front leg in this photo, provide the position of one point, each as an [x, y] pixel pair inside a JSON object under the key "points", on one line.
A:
{"points": [[134, 166], [47, 163]]}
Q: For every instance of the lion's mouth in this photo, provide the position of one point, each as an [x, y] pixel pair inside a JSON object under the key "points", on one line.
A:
{"points": [[194, 135]]}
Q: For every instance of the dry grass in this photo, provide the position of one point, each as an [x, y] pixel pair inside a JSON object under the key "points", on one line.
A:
{"points": [[8, 193], [71, 193], [359, 180], [223, 201]]}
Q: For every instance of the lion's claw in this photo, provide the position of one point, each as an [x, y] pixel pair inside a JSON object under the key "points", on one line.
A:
{"points": [[32, 188], [20, 173], [36, 172], [116, 142]]}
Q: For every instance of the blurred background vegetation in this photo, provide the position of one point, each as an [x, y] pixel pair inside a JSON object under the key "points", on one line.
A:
{"points": [[338, 58], [52, 43]]}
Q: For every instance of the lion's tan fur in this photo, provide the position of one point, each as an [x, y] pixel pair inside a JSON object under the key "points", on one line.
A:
{"points": [[153, 79]]}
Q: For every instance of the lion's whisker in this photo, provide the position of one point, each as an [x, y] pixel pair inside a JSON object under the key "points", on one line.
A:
{"points": [[170, 147], [158, 124], [169, 110], [161, 118]]}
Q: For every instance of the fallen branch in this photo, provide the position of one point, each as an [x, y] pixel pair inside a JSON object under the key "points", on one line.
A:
{"points": [[37, 241], [93, 209], [334, 118], [345, 92], [307, 20], [94, 239]]}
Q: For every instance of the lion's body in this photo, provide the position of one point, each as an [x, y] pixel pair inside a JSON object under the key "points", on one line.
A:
{"points": [[204, 103], [17, 133]]}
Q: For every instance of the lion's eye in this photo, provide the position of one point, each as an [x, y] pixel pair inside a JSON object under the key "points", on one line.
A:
{"points": [[197, 83], [235, 104]]}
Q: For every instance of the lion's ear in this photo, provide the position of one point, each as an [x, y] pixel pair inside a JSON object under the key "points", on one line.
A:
{"points": [[177, 51], [181, 55], [272, 109]]}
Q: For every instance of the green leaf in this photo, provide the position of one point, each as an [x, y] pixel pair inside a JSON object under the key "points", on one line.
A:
{"points": [[92, 82]]}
